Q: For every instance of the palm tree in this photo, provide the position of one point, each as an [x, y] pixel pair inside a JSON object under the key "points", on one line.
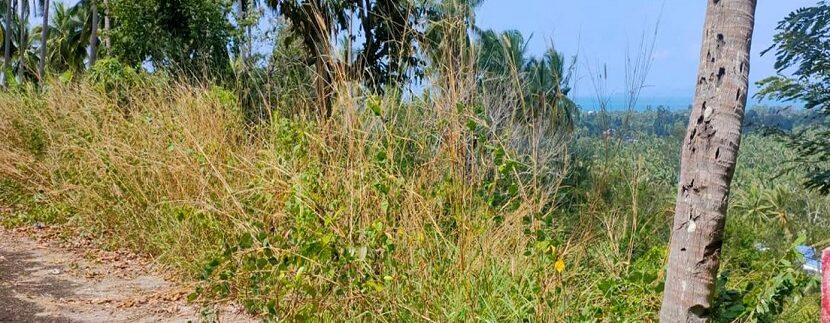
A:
{"points": [[86, 13], [710, 150], [23, 23], [386, 28], [448, 21], [93, 36], [244, 9], [13, 33], [547, 85], [107, 43], [544, 82], [44, 36], [69, 38], [502, 54], [7, 40], [314, 21]]}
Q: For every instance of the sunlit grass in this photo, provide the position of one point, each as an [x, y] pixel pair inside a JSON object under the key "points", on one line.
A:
{"points": [[436, 208]]}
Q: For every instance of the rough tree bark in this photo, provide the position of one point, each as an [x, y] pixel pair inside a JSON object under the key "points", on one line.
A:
{"points": [[24, 23], [241, 14], [107, 44], [7, 39], [93, 35], [44, 36], [710, 151]]}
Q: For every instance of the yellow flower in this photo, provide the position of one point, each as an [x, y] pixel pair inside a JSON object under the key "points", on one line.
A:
{"points": [[559, 265]]}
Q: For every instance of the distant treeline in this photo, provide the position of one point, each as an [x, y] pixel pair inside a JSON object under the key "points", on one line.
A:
{"points": [[662, 121]]}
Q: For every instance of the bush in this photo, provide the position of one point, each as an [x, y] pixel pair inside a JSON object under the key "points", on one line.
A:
{"points": [[113, 79]]}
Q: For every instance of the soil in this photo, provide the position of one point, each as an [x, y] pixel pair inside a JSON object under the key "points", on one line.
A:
{"points": [[45, 280]]}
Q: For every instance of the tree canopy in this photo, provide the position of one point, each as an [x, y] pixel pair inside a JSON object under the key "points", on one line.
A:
{"points": [[382, 33], [802, 50], [183, 34]]}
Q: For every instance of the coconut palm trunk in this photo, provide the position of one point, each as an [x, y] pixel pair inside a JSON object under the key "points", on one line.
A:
{"points": [[24, 23], [7, 40], [44, 36], [93, 35], [243, 47], [107, 43], [710, 151]]}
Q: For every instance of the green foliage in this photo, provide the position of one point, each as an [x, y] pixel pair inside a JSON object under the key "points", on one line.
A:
{"points": [[447, 36], [69, 33], [20, 56], [114, 79], [801, 45], [770, 213], [767, 208], [661, 121], [642, 283], [405, 211], [283, 80], [388, 31], [435, 207], [543, 83], [190, 36], [765, 286]]}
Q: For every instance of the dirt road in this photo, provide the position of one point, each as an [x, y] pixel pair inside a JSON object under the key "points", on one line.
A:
{"points": [[42, 280]]}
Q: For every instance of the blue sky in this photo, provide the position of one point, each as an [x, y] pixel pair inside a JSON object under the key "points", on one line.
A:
{"points": [[602, 30]]}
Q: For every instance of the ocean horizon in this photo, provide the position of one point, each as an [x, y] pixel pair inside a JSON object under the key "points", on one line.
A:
{"points": [[619, 103]]}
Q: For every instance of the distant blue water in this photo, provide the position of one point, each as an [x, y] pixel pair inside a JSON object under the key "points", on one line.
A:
{"points": [[618, 103]]}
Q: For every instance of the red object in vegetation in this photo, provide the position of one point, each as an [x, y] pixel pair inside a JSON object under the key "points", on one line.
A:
{"points": [[825, 286]]}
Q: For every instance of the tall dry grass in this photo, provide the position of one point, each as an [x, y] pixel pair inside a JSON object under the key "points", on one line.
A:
{"points": [[442, 206], [428, 200]]}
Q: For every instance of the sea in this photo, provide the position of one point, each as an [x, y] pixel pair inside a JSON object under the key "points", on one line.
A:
{"points": [[619, 103]]}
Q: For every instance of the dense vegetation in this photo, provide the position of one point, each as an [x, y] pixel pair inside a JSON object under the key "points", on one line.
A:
{"points": [[801, 46], [486, 196]]}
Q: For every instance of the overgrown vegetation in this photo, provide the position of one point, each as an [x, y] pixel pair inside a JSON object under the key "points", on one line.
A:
{"points": [[486, 196], [416, 210]]}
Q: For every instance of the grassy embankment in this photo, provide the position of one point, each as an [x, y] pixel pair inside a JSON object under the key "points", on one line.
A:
{"points": [[441, 207]]}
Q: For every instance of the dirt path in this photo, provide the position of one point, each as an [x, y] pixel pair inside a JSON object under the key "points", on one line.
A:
{"points": [[42, 280]]}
